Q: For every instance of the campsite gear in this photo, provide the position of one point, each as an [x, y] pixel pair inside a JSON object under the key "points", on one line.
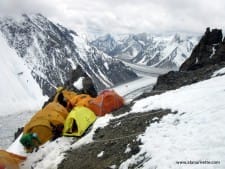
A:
{"points": [[78, 120], [65, 97], [106, 102], [57, 131], [10, 160], [53, 114], [30, 141], [81, 100], [59, 89]]}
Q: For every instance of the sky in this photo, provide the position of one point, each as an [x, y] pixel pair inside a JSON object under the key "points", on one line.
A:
{"points": [[125, 16]]}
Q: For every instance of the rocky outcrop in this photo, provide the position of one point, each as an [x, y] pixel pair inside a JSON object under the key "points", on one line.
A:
{"points": [[87, 83], [207, 57], [206, 52], [175, 79]]}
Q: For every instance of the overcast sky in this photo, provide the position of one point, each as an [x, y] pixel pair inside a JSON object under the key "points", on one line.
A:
{"points": [[125, 16]]}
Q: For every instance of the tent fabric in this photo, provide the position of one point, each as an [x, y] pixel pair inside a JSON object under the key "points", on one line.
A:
{"points": [[9, 160], [106, 102], [68, 97], [41, 123], [78, 120], [81, 100]]}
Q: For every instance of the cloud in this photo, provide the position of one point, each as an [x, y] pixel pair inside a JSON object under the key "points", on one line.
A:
{"points": [[125, 16]]}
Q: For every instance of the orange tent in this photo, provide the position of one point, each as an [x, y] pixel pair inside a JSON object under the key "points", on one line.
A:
{"points": [[9, 160], [81, 100], [106, 102], [73, 99]]}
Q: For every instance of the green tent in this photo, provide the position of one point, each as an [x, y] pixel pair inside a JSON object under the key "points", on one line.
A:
{"points": [[78, 120]]}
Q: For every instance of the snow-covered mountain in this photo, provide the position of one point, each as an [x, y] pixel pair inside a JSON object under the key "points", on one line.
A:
{"points": [[19, 91], [165, 51], [52, 51], [177, 125]]}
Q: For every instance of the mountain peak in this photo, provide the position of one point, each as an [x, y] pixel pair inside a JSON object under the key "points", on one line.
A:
{"points": [[209, 51], [148, 49], [52, 52]]}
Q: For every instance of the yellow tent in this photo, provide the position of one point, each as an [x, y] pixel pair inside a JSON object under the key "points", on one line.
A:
{"points": [[78, 120]]}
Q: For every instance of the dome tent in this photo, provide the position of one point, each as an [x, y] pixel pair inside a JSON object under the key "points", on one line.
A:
{"points": [[78, 120]]}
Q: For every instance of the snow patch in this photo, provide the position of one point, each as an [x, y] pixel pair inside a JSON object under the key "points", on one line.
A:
{"points": [[79, 83], [128, 149], [72, 63], [100, 154], [219, 72], [106, 65]]}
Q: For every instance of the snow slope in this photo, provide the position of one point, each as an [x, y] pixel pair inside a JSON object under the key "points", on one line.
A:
{"points": [[19, 91], [49, 159], [194, 135], [192, 138], [20, 94]]}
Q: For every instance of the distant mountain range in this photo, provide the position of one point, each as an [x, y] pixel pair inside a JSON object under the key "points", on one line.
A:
{"points": [[165, 51], [52, 52]]}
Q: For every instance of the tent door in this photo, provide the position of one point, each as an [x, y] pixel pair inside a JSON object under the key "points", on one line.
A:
{"points": [[74, 126]]}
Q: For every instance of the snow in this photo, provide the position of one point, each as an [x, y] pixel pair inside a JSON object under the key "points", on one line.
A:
{"points": [[100, 154], [195, 134], [51, 154], [19, 91], [73, 65], [82, 47], [213, 52], [128, 149], [79, 83], [219, 72], [196, 60], [20, 94], [106, 65], [112, 166], [130, 87]]}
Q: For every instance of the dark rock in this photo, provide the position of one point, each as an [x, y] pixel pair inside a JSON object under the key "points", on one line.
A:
{"points": [[88, 85], [18, 132], [175, 79], [207, 57], [204, 53]]}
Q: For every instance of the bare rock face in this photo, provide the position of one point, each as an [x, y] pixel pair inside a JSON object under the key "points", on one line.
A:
{"points": [[206, 52], [87, 83]]}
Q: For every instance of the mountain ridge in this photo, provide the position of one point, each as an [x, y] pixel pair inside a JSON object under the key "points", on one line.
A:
{"points": [[164, 51], [52, 51]]}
